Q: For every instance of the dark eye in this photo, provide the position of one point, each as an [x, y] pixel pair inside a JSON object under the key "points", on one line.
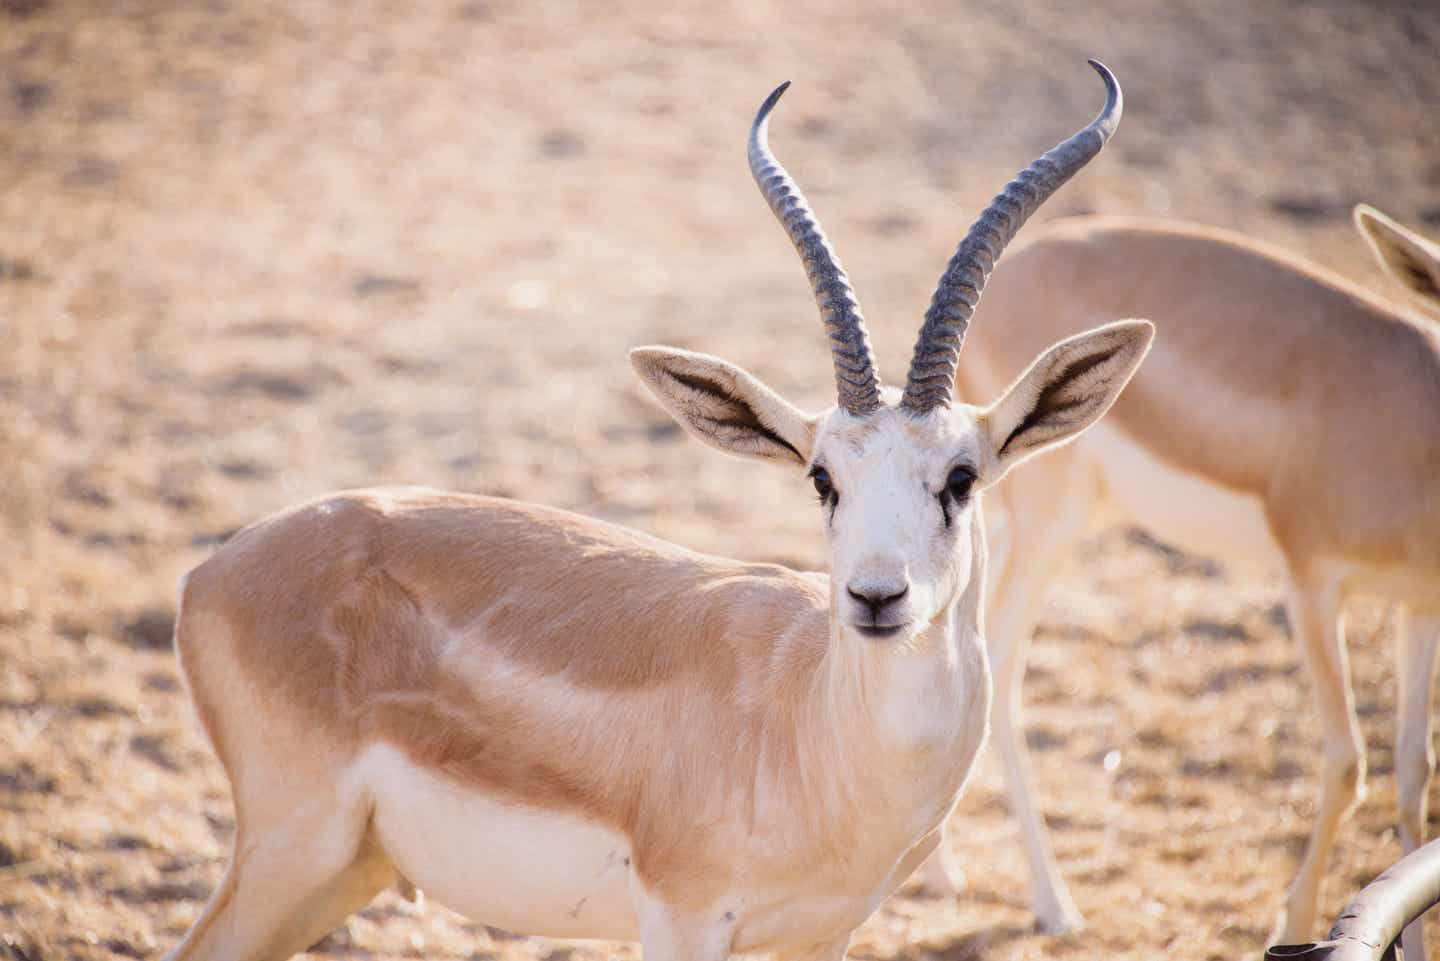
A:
{"points": [[823, 487], [957, 485]]}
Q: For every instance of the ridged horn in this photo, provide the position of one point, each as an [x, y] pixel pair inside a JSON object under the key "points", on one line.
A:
{"points": [[856, 382], [931, 382]]}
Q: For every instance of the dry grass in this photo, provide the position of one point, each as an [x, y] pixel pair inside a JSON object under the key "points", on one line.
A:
{"points": [[251, 252]]}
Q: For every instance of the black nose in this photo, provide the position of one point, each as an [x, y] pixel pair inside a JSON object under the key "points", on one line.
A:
{"points": [[877, 599]]}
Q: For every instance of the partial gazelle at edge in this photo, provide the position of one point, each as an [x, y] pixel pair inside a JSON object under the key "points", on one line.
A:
{"points": [[564, 727], [1286, 415]]}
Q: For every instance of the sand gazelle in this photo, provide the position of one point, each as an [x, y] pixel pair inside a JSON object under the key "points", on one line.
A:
{"points": [[1285, 415], [567, 728]]}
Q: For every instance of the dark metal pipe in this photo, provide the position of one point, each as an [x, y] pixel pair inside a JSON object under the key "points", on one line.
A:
{"points": [[1370, 924]]}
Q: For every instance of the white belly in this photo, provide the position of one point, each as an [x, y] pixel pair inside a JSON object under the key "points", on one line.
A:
{"points": [[1182, 509], [541, 873], [522, 869]]}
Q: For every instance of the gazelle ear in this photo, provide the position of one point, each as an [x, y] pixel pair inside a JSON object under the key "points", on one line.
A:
{"points": [[1068, 388], [1407, 257], [724, 406]]}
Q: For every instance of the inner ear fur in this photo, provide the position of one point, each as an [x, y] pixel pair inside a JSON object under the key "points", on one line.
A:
{"points": [[725, 406], [1067, 388], [1411, 260]]}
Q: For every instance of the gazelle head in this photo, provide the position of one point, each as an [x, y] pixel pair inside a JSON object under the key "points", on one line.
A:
{"points": [[1411, 260], [899, 473]]}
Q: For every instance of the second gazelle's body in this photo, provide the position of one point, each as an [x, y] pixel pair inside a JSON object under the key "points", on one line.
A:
{"points": [[568, 728], [1286, 416]]}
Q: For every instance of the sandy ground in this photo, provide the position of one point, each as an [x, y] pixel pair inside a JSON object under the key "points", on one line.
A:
{"points": [[253, 252]]}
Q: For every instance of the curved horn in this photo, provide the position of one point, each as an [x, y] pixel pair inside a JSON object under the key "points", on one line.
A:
{"points": [[932, 370], [857, 383]]}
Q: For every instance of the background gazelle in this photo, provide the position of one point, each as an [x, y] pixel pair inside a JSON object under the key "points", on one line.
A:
{"points": [[1285, 415], [569, 728]]}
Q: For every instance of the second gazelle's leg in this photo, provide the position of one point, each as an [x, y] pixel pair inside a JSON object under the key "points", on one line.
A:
{"points": [[1415, 646], [1049, 511], [1315, 613]]}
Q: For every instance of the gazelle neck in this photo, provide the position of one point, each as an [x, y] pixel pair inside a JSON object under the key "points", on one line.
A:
{"points": [[923, 696], [889, 733]]}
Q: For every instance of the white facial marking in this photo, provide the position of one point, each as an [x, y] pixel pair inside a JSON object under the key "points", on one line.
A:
{"points": [[898, 553]]}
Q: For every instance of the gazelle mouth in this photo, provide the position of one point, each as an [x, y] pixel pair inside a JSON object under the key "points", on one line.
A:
{"points": [[878, 630]]}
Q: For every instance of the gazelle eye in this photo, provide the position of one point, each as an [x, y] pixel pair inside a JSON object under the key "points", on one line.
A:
{"points": [[957, 485], [956, 490], [821, 478]]}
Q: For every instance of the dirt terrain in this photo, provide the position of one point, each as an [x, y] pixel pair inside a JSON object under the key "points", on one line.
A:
{"points": [[251, 252]]}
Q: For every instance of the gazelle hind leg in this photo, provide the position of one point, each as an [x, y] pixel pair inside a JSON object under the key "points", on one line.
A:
{"points": [[1315, 613], [1415, 646], [1048, 506], [287, 886]]}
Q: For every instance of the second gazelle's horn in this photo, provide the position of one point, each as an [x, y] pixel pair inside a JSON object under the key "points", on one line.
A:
{"points": [[856, 381], [932, 370]]}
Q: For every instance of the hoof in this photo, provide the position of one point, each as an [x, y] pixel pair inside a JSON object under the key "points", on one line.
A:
{"points": [[941, 877], [1059, 920], [1282, 932]]}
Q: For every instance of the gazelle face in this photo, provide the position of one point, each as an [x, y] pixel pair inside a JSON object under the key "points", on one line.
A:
{"points": [[896, 494], [897, 475]]}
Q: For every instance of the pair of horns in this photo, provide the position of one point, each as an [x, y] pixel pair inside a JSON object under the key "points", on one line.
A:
{"points": [[930, 384]]}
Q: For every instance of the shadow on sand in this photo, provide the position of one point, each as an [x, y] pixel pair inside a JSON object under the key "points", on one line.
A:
{"points": [[973, 946]]}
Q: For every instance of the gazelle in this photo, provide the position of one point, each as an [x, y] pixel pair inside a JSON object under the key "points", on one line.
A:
{"points": [[1285, 415], [572, 729]]}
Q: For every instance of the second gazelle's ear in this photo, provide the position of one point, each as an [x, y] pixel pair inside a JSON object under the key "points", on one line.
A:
{"points": [[1066, 389], [1403, 254], [724, 406]]}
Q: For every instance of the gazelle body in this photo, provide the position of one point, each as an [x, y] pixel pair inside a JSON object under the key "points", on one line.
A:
{"points": [[554, 725], [568, 728], [1286, 416]]}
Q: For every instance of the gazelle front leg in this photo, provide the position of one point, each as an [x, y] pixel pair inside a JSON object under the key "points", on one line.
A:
{"points": [[1415, 648], [1319, 630], [671, 934]]}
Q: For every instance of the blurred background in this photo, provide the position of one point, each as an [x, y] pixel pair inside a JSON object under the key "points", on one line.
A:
{"points": [[252, 252]]}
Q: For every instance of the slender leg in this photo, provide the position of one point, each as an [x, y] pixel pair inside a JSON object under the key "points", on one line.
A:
{"points": [[1414, 756], [667, 934], [281, 895], [1319, 630], [1048, 514], [303, 862], [941, 874]]}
